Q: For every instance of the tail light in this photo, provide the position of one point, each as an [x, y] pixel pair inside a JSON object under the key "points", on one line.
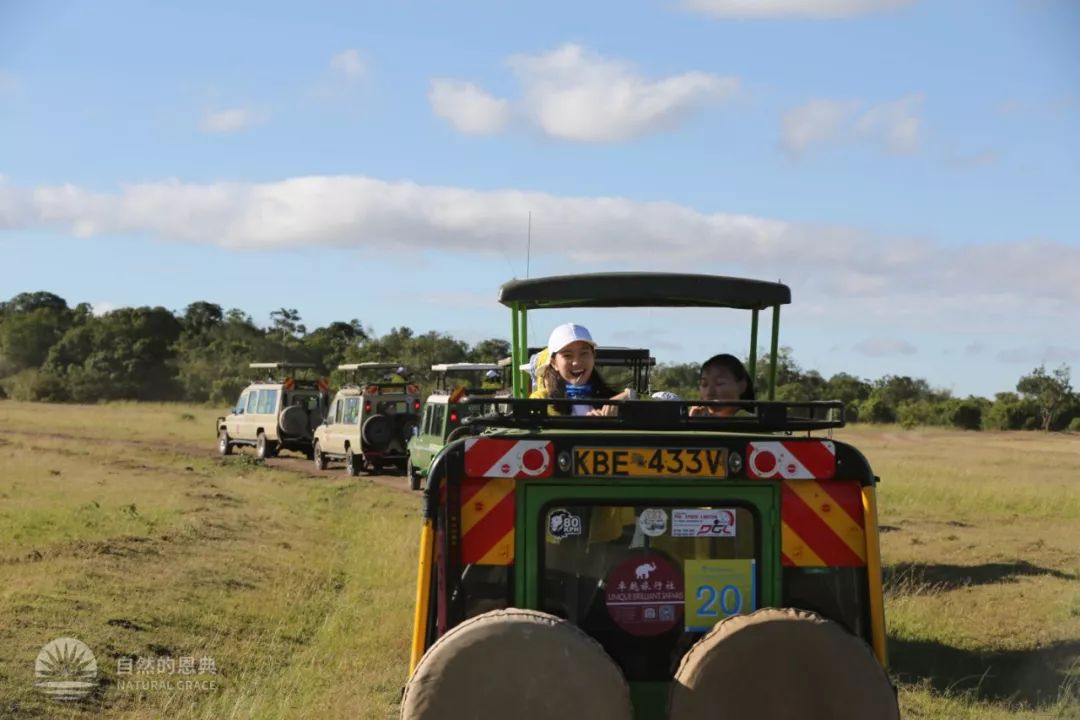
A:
{"points": [[453, 417], [367, 407], [416, 405]]}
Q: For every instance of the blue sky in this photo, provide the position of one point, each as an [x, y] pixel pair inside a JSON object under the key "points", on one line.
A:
{"points": [[911, 169]]}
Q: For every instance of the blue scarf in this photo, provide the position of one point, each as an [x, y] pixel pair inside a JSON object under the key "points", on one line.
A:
{"points": [[579, 391]]}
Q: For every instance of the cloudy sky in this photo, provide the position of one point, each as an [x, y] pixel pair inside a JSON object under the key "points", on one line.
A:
{"points": [[911, 169]]}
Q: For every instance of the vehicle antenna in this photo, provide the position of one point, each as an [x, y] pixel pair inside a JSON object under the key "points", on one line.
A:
{"points": [[528, 247]]}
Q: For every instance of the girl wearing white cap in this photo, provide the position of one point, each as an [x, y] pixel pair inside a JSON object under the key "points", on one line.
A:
{"points": [[570, 372]]}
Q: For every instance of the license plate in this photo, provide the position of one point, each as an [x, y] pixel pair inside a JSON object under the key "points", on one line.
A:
{"points": [[651, 462]]}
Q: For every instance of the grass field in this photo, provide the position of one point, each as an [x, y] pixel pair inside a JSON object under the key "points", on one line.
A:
{"points": [[119, 526]]}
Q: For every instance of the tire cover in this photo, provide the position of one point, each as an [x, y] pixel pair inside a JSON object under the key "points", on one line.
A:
{"points": [[376, 431], [294, 421], [519, 664], [779, 663]]}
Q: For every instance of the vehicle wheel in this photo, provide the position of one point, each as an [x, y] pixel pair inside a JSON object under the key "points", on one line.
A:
{"points": [[223, 445], [318, 457], [535, 680], [824, 670], [352, 463], [261, 446], [414, 477]]}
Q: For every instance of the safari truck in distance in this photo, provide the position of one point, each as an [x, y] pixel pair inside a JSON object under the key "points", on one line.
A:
{"points": [[650, 564], [277, 411], [369, 421], [444, 410]]}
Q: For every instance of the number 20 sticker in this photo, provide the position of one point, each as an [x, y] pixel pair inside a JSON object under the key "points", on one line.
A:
{"points": [[717, 589]]}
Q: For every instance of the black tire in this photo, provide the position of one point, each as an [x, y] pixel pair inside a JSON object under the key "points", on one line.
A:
{"points": [[318, 457], [224, 446], [413, 475], [352, 463], [377, 432]]}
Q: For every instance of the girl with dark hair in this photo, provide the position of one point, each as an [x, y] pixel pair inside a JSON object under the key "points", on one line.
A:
{"points": [[570, 372], [724, 377]]}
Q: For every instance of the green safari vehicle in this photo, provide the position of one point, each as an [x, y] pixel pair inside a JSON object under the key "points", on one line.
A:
{"points": [[652, 563], [444, 410]]}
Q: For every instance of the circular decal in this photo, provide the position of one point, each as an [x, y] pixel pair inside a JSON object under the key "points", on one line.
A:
{"points": [[562, 524], [653, 522], [644, 595]]}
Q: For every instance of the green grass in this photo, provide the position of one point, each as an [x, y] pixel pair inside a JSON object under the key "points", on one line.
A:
{"points": [[120, 526]]}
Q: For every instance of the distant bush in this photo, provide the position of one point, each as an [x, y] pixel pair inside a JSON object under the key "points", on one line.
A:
{"points": [[877, 410], [1074, 425]]}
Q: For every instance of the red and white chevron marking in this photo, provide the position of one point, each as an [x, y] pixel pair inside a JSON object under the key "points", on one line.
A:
{"points": [[502, 458], [791, 459]]}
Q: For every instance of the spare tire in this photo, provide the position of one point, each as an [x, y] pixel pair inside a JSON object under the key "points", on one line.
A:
{"points": [[519, 664], [376, 431], [294, 421], [779, 663]]}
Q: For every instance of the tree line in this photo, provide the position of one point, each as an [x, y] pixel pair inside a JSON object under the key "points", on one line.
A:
{"points": [[52, 352]]}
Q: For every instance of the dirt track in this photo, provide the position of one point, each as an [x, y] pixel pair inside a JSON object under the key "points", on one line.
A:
{"points": [[290, 461]]}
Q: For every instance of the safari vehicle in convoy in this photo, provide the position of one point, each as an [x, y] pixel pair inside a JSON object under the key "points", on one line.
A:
{"points": [[653, 563], [370, 420], [277, 411], [444, 410]]}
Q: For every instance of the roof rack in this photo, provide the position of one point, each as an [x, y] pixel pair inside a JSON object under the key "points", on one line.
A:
{"points": [[464, 367], [281, 365], [768, 416]]}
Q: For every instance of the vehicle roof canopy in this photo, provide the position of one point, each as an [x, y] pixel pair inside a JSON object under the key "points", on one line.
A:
{"points": [[369, 366], [280, 365], [631, 289], [464, 367]]}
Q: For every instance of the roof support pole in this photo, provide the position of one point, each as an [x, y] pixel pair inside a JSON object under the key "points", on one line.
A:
{"points": [[774, 361], [753, 344]]}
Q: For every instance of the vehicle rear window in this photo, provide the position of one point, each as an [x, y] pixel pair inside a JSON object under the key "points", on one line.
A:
{"points": [[648, 581], [352, 410]]}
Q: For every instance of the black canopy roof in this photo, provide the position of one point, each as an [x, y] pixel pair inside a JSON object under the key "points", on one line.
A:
{"points": [[631, 289]]}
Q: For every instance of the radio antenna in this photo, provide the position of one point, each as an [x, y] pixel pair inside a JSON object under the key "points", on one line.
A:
{"points": [[528, 247]]}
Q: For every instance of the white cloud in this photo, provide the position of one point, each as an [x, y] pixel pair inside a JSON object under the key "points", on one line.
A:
{"points": [[856, 277], [815, 122], [790, 8], [573, 93], [895, 124], [1049, 355], [349, 63], [885, 347], [467, 107], [226, 121]]}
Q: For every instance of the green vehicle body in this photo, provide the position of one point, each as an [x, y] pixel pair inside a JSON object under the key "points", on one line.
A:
{"points": [[611, 480], [444, 411]]}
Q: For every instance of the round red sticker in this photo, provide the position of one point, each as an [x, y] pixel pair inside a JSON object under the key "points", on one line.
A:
{"points": [[644, 595]]}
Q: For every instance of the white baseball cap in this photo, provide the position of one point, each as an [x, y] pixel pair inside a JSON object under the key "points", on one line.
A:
{"points": [[665, 395], [563, 335]]}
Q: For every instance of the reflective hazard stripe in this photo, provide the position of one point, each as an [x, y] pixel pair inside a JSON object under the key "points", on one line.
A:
{"points": [[822, 524], [791, 459], [500, 457]]}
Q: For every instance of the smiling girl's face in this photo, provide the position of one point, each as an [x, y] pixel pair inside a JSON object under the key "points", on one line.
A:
{"points": [[574, 363]]}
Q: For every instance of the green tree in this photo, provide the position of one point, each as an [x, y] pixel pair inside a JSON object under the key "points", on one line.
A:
{"points": [[286, 321], [490, 350], [1050, 390], [331, 344]]}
